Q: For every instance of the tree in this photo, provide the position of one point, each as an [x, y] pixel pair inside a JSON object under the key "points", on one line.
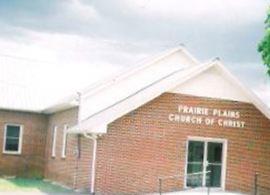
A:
{"points": [[264, 45]]}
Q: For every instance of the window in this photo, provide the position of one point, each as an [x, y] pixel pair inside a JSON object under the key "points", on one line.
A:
{"points": [[206, 162], [64, 146], [54, 135], [13, 139]]}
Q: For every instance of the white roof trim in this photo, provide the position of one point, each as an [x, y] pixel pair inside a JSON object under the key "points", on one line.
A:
{"points": [[19, 109], [258, 103], [70, 101], [146, 64], [66, 103], [132, 101]]}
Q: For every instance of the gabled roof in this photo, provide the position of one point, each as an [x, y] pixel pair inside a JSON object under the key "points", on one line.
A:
{"points": [[175, 58], [19, 97], [103, 106], [24, 86], [106, 101]]}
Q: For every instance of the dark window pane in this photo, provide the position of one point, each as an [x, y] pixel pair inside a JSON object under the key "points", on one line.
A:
{"points": [[194, 168], [214, 152], [194, 180], [195, 151], [13, 131], [214, 177], [12, 145]]}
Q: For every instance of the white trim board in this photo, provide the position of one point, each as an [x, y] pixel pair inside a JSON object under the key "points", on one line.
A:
{"points": [[54, 141], [64, 141]]}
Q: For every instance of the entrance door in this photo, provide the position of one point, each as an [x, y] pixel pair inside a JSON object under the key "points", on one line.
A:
{"points": [[204, 163]]}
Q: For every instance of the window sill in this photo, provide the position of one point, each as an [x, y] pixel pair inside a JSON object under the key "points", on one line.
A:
{"points": [[11, 153]]}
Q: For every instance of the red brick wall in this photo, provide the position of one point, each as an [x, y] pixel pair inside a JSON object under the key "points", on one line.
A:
{"points": [[144, 145], [69, 171], [30, 163]]}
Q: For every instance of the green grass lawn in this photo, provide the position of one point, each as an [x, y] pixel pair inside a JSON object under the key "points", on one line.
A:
{"points": [[30, 185]]}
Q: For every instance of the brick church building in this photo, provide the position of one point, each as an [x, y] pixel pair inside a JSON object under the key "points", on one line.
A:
{"points": [[171, 119]]}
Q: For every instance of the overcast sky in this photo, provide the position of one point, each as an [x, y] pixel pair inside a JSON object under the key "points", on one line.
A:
{"points": [[65, 45]]}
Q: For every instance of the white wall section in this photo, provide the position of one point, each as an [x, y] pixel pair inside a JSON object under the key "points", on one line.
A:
{"points": [[212, 83]]}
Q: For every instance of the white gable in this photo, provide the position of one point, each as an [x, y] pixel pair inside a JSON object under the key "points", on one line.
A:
{"points": [[212, 83], [97, 122], [121, 87]]}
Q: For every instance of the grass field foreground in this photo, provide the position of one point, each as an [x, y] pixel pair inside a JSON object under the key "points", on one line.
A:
{"points": [[30, 185]]}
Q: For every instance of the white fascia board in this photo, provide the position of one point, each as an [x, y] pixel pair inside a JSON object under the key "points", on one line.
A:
{"points": [[60, 107], [38, 111], [67, 103], [190, 56], [82, 129]]}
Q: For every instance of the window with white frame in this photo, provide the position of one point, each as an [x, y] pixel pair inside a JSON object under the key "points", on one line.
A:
{"points": [[13, 139], [54, 136], [64, 145]]}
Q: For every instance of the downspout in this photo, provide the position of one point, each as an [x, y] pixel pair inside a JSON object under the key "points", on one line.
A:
{"points": [[79, 107], [93, 137], [77, 152]]}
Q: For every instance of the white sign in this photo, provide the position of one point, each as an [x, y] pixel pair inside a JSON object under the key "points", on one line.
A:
{"points": [[207, 116]]}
